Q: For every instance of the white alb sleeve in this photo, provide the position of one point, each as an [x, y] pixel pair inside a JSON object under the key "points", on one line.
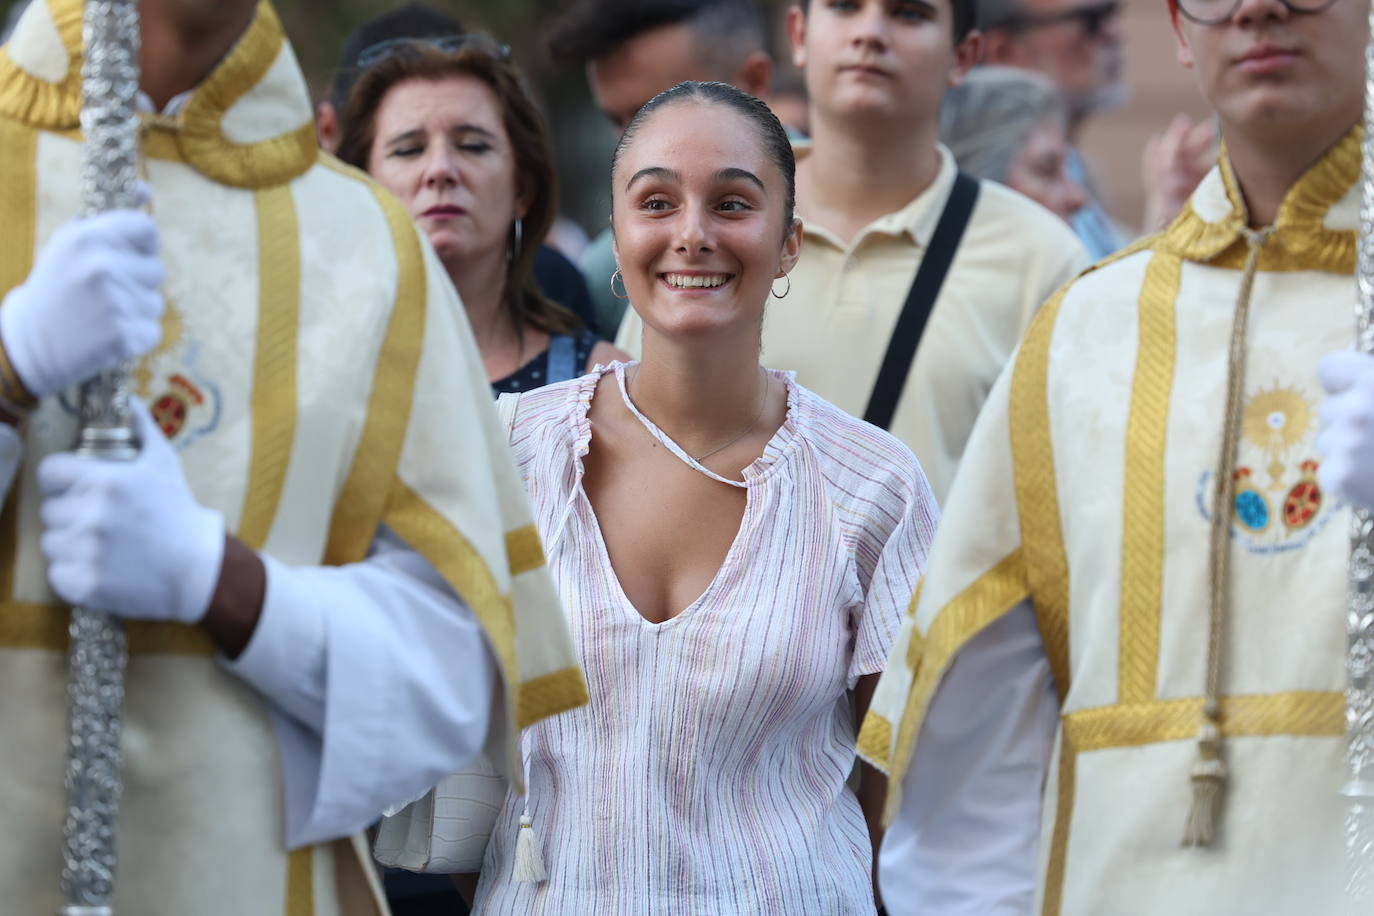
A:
{"points": [[380, 682], [966, 840]]}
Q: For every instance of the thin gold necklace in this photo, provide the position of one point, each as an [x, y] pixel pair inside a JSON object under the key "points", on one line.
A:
{"points": [[763, 402]]}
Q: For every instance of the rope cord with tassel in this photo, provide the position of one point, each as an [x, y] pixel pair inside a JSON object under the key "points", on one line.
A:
{"points": [[1209, 773]]}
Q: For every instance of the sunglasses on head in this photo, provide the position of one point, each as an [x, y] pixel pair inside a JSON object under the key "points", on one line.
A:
{"points": [[1092, 17], [449, 44]]}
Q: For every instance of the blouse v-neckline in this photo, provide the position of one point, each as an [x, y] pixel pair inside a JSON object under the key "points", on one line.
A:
{"points": [[779, 445]]}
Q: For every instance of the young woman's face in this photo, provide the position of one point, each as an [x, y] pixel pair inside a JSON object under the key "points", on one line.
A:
{"points": [[698, 209], [441, 147], [1040, 170]]}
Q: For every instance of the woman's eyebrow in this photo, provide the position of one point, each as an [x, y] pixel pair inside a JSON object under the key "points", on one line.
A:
{"points": [[654, 171], [731, 174], [466, 128], [412, 134]]}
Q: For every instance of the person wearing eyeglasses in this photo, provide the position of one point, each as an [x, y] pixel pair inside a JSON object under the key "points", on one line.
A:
{"points": [[1077, 45], [1122, 687], [446, 125]]}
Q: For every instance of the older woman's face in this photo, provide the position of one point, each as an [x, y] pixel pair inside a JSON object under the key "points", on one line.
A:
{"points": [[1040, 171], [441, 147], [698, 211]]}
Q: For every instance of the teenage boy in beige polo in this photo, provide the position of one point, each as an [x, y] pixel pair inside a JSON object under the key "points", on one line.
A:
{"points": [[871, 188]]}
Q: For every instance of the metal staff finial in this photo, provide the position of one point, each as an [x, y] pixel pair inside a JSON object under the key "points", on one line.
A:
{"points": [[99, 653], [1359, 691]]}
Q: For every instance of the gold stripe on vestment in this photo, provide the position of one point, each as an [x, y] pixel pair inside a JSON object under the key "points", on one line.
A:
{"points": [[274, 363], [363, 499], [1302, 713], [1142, 533], [874, 743], [1059, 841], [1037, 491], [989, 597], [27, 625], [300, 882], [19, 187], [524, 550]]}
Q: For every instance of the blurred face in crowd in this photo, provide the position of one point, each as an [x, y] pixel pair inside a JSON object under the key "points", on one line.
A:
{"points": [[889, 59], [1040, 171], [441, 147], [698, 209], [1076, 43], [1269, 71], [642, 67]]}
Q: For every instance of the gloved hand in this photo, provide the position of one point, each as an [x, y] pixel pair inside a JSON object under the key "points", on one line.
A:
{"points": [[128, 537], [92, 300], [1346, 440]]}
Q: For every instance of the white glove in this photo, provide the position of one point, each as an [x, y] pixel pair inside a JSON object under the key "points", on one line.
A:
{"points": [[92, 300], [128, 537], [1346, 440]]}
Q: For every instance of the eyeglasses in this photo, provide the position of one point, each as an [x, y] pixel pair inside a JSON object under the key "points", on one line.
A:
{"points": [[1092, 17], [449, 44], [1215, 12]]}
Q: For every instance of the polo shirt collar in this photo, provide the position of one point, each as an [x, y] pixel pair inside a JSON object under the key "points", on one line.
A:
{"points": [[917, 220]]}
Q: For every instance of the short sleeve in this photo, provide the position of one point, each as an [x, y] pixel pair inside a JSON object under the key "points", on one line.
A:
{"points": [[900, 547]]}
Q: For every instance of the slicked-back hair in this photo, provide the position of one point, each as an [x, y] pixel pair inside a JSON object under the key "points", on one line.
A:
{"points": [[772, 136], [726, 31], [529, 140], [965, 16]]}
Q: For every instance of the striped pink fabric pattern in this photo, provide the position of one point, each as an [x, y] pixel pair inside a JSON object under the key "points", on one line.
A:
{"points": [[708, 774]]}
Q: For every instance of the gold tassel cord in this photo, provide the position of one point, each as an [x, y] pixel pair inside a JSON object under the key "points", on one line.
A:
{"points": [[1209, 772]]}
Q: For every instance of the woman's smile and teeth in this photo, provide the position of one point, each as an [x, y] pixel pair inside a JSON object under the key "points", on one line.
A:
{"points": [[694, 280]]}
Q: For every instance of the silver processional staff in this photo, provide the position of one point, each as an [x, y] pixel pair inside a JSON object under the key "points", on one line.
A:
{"points": [[98, 651]]}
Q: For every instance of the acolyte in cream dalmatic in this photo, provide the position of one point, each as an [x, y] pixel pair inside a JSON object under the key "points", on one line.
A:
{"points": [[322, 389], [1092, 550]]}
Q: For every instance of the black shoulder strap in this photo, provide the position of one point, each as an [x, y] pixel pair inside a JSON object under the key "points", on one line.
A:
{"points": [[920, 300]]}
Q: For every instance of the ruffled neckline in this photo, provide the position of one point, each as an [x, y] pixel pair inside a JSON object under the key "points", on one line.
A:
{"points": [[780, 445]]}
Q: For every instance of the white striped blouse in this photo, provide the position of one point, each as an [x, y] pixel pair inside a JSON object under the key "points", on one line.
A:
{"points": [[707, 775]]}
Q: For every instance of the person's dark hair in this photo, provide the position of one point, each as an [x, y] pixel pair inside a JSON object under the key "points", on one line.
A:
{"points": [[529, 138], [770, 131], [414, 20], [727, 31], [965, 16]]}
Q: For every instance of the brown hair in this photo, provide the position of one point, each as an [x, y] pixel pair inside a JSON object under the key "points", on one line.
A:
{"points": [[529, 139]]}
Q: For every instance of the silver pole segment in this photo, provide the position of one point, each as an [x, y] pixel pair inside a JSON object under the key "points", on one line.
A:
{"points": [[1359, 690], [99, 653]]}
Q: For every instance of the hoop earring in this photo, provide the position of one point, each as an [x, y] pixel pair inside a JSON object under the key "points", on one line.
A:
{"points": [[514, 252], [621, 277], [788, 278]]}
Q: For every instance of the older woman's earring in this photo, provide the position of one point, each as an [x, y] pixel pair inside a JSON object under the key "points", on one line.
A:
{"points": [[515, 242], [788, 278], [618, 276]]}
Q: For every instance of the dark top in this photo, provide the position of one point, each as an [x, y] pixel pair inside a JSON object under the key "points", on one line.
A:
{"points": [[561, 281], [565, 358]]}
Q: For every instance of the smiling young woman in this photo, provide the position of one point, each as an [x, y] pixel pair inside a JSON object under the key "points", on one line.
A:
{"points": [[734, 555]]}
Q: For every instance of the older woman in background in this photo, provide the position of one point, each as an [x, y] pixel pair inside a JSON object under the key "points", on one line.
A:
{"points": [[1010, 125], [447, 126]]}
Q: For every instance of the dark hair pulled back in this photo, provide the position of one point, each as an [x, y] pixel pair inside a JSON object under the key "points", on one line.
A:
{"points": [[771, 134], [529, 139]]}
